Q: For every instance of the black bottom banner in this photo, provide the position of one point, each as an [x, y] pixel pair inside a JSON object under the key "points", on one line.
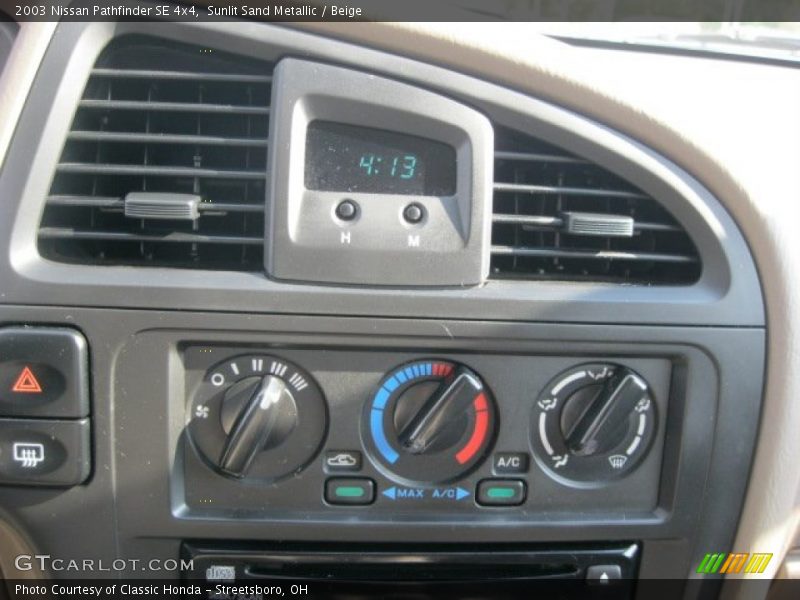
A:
{"points": [[111, 589]]}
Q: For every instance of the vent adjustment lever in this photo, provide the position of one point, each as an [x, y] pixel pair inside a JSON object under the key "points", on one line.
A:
{"points": [[158, 205]]}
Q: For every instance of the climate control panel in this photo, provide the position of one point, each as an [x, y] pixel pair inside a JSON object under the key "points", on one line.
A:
{"points": [[274, 431]]}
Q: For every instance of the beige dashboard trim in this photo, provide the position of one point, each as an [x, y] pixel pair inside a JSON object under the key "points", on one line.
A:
{"points": [[510, 54], [13, 545]]}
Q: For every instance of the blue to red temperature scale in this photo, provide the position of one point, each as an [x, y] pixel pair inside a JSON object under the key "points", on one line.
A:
{"points": [[430, 421]]}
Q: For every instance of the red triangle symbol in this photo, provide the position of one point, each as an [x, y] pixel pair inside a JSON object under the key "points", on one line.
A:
{"points": [[27, 383]]}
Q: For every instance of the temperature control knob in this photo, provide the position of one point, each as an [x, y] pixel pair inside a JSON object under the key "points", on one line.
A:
{"points": [[594, 422], [257, 416], [430, 421]]}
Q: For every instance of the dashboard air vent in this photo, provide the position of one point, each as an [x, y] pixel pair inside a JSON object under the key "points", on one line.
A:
{"points": [[165, 163], [557, 216]]}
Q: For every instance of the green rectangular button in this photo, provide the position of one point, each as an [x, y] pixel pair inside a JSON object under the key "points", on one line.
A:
{"points": [[349, 490], [346, 491], [500, 492]]}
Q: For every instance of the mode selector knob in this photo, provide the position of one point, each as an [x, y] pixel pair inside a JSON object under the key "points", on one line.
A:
{"points": [[594, 422], [602, 412]]}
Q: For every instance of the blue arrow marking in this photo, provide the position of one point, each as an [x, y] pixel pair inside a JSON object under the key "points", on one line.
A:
{"points": [[461, 493], [390, 493]]}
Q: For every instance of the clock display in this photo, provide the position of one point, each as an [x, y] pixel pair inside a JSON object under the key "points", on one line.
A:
{"points": [[351, 158]]}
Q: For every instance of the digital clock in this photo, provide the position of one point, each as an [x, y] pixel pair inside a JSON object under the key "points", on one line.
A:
{"points": [[351, 158]]}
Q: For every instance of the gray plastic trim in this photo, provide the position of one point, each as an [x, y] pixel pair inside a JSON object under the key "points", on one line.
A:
{"points": [[727, 293]]}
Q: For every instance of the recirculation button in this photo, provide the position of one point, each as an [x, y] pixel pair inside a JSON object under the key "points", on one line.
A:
{"points": [[349, 491]]}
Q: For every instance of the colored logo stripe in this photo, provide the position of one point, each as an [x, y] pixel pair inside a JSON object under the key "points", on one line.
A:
{"points": [[758, 563], [734, 562], [711, 563]]}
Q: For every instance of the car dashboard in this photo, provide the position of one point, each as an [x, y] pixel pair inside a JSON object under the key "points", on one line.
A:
{"points": [[381, 302]]}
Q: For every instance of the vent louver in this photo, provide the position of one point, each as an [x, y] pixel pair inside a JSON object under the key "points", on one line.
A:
{"points": [[557, 216], [166, 122]]}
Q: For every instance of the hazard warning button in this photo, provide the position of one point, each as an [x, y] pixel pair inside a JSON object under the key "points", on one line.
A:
{"points": [[27, 383], [43, 373]]}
